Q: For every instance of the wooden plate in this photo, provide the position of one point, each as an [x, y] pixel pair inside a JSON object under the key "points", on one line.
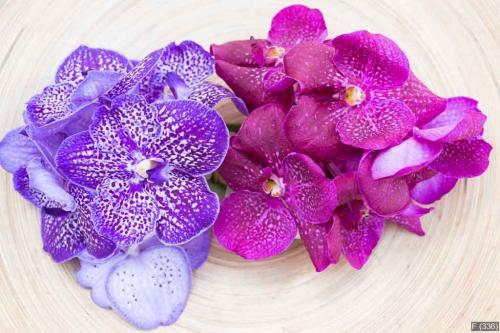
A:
{"points": [[439, 283]]}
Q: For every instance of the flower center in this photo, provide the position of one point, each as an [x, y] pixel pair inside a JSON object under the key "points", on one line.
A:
{"points": [[274, 186], [354, 95], [144, 166], [275, 52]]}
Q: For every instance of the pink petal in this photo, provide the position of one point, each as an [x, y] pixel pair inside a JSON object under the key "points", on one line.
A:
{"points": [[248, 84], [347, 188], [461, 120], [311, 64], [432, 189], [276, 80], [261, 136], [409, 219], [372, 60], [238, 52], [310, 127], [386, 196], [315, 239], [254, 225], [410, 155], [466, 158], [295, 24], [423, 102], [377, 124], [335, 240], [309, 194], [240, 172]]}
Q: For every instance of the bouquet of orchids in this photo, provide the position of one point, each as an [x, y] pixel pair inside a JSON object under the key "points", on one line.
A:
{"points": [[340, 138]]}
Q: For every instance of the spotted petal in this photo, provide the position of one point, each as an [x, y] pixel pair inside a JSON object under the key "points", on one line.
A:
{"points": [[296, 24], [254, 225], [151, 289], [309, 194], [315, 239], [16, 150], [377, 124], [386, 196], [186, 205], [410, 155], [124, 212], [432, 189], [95, 84], [52, 104], [84, 59], [465, 158], [211, 94], [238, 52], [409, 219]]}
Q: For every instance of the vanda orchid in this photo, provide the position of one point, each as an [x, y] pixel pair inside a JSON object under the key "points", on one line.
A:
{"points": [[340, 138]]}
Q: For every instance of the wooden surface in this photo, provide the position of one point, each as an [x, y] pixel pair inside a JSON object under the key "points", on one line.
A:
{"points": [[439, 283]]}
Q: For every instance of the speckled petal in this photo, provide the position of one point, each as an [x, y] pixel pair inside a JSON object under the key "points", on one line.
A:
{"points": [[241, 173], [262, 138], [466, 158], [296, 24], [254, 225], [409, 219], [124, 212], [16, 150], [84, 59], [432, 189], [80, 161], [194, 137], [61, 235], [276, 80], [238, 52], [187, 207], [347, 188], [197, 249], [309, 194], [152, 288], [423, 102], [95, 84], [410, 155], [311, 64], [315, 239], [211, 94], [136, 75], [461, 120], [52, 104], [21, 182], [248, 84], [377, 124], [310, 127], [386, 196], [371, 60]]}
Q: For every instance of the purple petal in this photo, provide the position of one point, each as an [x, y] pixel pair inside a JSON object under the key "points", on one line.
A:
{"points": [[409, 219], [386, 196], [84, 59], [187, 207], [150, 289], [16, 150], [466, 158], [95, 84], [241, 173], [276, 80], [123, 212], [296, 24], [311, 64], [136, 75], [197, 249], [423, 102], [52, 104], [254, 225], [194, 137], [211, 94], [80, 161], [177, 86], [432, 189], [248, 84], [315, 239], [347, 188], [310, 127], [410, 155], [237, 52], [309, 194], [461, 120], [61, 235], [371, 60], [262, 138], [377, 124]]}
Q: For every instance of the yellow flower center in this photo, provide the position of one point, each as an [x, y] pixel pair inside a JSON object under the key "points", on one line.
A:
{"points": [[144, 166], [354, 95], [275, 52], [274, 186]]}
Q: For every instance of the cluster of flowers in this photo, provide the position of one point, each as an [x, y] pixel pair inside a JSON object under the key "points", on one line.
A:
{"points": [[341, 138], [114, 154]]}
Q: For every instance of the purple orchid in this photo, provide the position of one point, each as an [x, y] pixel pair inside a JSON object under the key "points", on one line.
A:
{"points": [[254, 68], [146, 162], [277, 191]]}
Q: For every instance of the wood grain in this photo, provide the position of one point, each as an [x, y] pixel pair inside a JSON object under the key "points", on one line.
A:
{"points": [[439, 283]]}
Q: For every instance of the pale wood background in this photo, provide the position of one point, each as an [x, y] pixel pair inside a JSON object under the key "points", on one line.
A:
{"points": [[439, 283]]}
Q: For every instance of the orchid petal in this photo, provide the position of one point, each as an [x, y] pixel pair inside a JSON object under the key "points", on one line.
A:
{"points": [[16, 150], [347, 188], [211, 94], [276, 80], [197, 249], [95, 84], [315, 239], [409, 219], [241, 173], [52, 104], [237, 52], [433, 189]]}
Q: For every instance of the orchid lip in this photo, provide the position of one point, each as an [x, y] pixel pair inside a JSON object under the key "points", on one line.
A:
{"points": [[274, 186], [275, 52], [146, 165], [354, 95]]}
